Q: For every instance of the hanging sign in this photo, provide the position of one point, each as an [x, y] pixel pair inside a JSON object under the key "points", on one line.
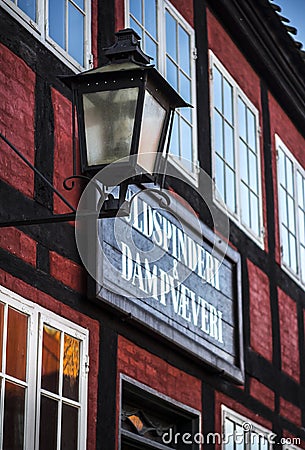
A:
{"points": [[170, 273]]}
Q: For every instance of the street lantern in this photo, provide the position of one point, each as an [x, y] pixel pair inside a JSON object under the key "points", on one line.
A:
{"points": [[124, 110]]}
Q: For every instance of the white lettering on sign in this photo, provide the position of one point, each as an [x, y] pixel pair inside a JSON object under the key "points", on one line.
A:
{"points": [[167, 290], [174, 241]]}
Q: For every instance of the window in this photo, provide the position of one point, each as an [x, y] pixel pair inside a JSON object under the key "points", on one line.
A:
{"points": [[243, 434], [43, 378], [62, 25], [291, 197], [169, 39], [150, 420], [236, 156]]}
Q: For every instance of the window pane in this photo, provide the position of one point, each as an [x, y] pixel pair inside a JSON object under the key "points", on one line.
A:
{"points": [[291, 220], [300, 190], [1, 334], [172, 73], [302, 226], [220, 177], [243, 155], [228, 435], [228, 100], [50, 359], [16, 346], [218, 133], [239, 441], [186, 142], [174, 144], [28, 7], [217, 83], [48, 424], [281, 171], [245, 207], [293, 253], [69, 428], [230, 189], [57, 18], [289, 174], [13, 436], [253, 172], [185, 88], [251, 130], [76, 34], [150, 18], [79, 3], [151, 49], [171, 38], [242, 119], [255, 441], [71, 367], [229, 145], [254, 213], [283, 206], [138, 29], [285, 245], [184, 50], [136, 9]]}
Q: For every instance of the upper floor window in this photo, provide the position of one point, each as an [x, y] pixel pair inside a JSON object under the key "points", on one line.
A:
{"points": [[63, 25], [241, 433], [169, 39], [236, 156], [291, 198], [43, 378]]}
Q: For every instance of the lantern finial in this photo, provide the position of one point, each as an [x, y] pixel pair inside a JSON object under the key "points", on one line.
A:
{"points": [[127, 48]]}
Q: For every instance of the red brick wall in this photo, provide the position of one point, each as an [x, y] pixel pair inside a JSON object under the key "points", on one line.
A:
{"points": [[63, 156], [262, 393], [17, 92], [289, 336], [19, 244], [67, 271], [290, 412], [260, 313], [33, 294]]}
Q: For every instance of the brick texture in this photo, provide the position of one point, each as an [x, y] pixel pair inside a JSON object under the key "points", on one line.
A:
{"points": [[18, 243], [262, 393], [260, 313], [17, 92], [290, 412], [289, 336], [63, 156], [158, 374], [67, 271]]}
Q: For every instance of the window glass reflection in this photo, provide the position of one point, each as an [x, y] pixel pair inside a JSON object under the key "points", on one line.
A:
{"points": [[48, 423], [13, 436], [16, 347], [69, 425], [71, 367], [50, 359]]}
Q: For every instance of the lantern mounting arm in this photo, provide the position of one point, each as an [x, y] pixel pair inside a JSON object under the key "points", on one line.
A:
{"points": [[110, 208]]}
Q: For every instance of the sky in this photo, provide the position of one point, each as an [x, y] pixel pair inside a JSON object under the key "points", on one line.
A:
{"points": [[295, 11]]}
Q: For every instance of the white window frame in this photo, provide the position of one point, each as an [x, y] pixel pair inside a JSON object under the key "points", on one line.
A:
{"points": [[39, 30], [279, 144], [246, 424], [37, 316], [162, 6], [237, 93]]}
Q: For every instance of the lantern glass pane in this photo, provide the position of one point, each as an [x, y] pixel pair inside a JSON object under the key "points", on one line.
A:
{"points": [[109, 123], [154, 116]]}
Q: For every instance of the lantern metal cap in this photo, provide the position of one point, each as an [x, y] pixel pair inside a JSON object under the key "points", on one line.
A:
{"points": [[127, 48]]}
